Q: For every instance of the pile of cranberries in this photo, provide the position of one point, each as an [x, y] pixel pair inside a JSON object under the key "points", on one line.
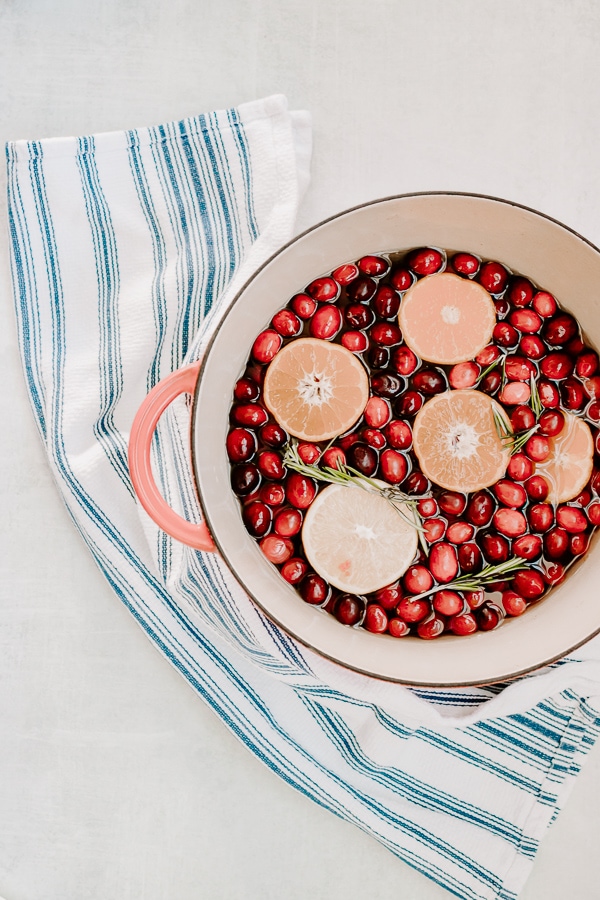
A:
{"points": [[357, 305]]}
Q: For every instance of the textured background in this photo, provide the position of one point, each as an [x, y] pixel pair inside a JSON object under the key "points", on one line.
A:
{"points": [[115, 780]]}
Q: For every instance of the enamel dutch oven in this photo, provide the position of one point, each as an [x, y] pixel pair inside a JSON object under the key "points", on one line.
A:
{"points": [[553, 256]]}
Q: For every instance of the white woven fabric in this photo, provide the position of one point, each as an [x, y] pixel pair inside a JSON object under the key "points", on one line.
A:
{"points": [[124, 248]]}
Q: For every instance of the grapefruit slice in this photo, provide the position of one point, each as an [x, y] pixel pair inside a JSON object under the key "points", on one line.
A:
{"points": [[447, 319], [315, 389], [356, 540], [568, 467], [456, 441]]}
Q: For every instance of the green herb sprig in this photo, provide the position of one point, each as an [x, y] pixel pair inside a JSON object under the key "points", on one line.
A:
{"points": [[487, 576]]}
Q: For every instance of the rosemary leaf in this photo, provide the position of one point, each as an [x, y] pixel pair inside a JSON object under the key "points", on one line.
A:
{"points": [[487, 576]]}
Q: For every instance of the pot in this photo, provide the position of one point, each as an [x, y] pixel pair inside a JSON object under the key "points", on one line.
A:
{"points": [[528, 242]]}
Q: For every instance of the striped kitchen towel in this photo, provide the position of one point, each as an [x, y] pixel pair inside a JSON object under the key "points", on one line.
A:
{"points": [[124, 247]]}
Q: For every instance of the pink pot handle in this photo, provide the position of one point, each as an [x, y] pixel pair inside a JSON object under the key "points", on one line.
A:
{"points": [[140, 442]]}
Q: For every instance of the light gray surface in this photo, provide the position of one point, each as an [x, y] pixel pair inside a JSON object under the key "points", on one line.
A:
{"points": [[115, 780]]}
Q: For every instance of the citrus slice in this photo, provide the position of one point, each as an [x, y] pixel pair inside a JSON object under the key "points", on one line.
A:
{"points": [[447, 319], [457, 443], [356, 540], [316, 390], [568, 467]]}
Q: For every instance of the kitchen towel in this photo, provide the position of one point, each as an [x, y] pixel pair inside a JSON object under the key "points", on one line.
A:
{"points": [[124, 247]]}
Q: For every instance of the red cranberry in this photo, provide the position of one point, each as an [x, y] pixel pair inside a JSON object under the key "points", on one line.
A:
{"points": [[551, 422], [448, 603], [362, 289], [294, 570], [378, 357], [273, 435], [386, 302], [571, 519], [429, 381], [493, 277], [308, 453], [434, 529], [592, 387], [502, 307], [277, 549], [505, 335], [587, 364], [416, 484], [300, 490], [333, 457], [537, 447], [522, 418], [510, 522], [427, 507], [528, 546], [349, 609], [386, 384], [557, 366], [490, 383], [443, 562], [465, 263], [575, 346], [346, 441], [249, 414], [314, 589], [394, 466], [416, 580], [480, 508], [463, 375], [559, 330], [272, 494], [544, 304], [578, 544], [345, 274], [430, 629], [377, 412], [373, 265], [510, 494], [488, 355], [257, 518], [241, 445], [593, 412], [520, 293], [475, 599], [399, 434], [246, 390], [537, 487], [532, 346], [401, 280], [325, 323], [572, 394], [529, 584], [404, 361], [324, 290], [363, 458], [515, 392], [519, 368], [286, 323], [520, 467], [553, 573], [376, 619], [556, 543], [593, 513], [397, 628], [386, 333], [389, 596], [513, 603], [425, 261], [452, 503], [413, 610], [270, 465], [489, 617], [548, 394], [583, 498], [245, 478], [303, 305], [359, 316], [374, 438], [288, 522], [469, 557], [266, 346], [466, 623], [409, 403], [355, 341], [459, 532], [495, 547]]}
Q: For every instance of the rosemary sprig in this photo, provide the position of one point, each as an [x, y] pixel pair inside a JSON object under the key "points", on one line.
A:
{"points": [[509, 439], [536, 403], [485, 372], [487, 576]]}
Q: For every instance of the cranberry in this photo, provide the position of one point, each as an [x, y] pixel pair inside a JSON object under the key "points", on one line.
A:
{"points": [[559, 330], [493, 277], [572, 394], [502, 307], [394, 466], [386, 333], [475, 599], [548, 394], [427, 507], [593, 513], [544, 304], [413, 610], [459, 532], [571, 519], [241, 445], [556, 543], [273, 435], [389, 596], [488, 355], [448, 603], [294, 570], [513, 603], [386, 384], [490, 383], [465, 263], [345, 274], [463, 375], [519, 368], [520, 467], [593, 411], [314, 589], [592, 387], [376, 619], [377, 412], [246, 389], [286, 323], [469, 557], [429, 381], [528, 546], [551, 422], [466, 623], [300, 490], [355, 341], [587, 364], [401, 280], [510, 494], [386, 302], [495, 547], [578, 544], [374, 438], [532, 346], [505, 335], [522, 418], [266, 346], [245, 478], [529, 584], [575, 346], [373, 265], [277, 549], [362, 289], [272, 494], [515, 392], [416, 483], [287, 522], [249, 414], [399, 434], [333, 457], [397, 628], [325, 323], [537, 447], [257, 518], [404, 361], [303, 305], [557, 366], [409, 403], [346, 440], [363, 458], [489, 617], [349, 609], [378, 357], [308, 453], [324, 290], [553, 573], [452, 503], [520, 293], [537, 487], [416, 580], [583, 498], [434, 529], [430, 629], [480, 508], [443, 562], [359, 316], [510, 522], [425, 261], [270, 465]]}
